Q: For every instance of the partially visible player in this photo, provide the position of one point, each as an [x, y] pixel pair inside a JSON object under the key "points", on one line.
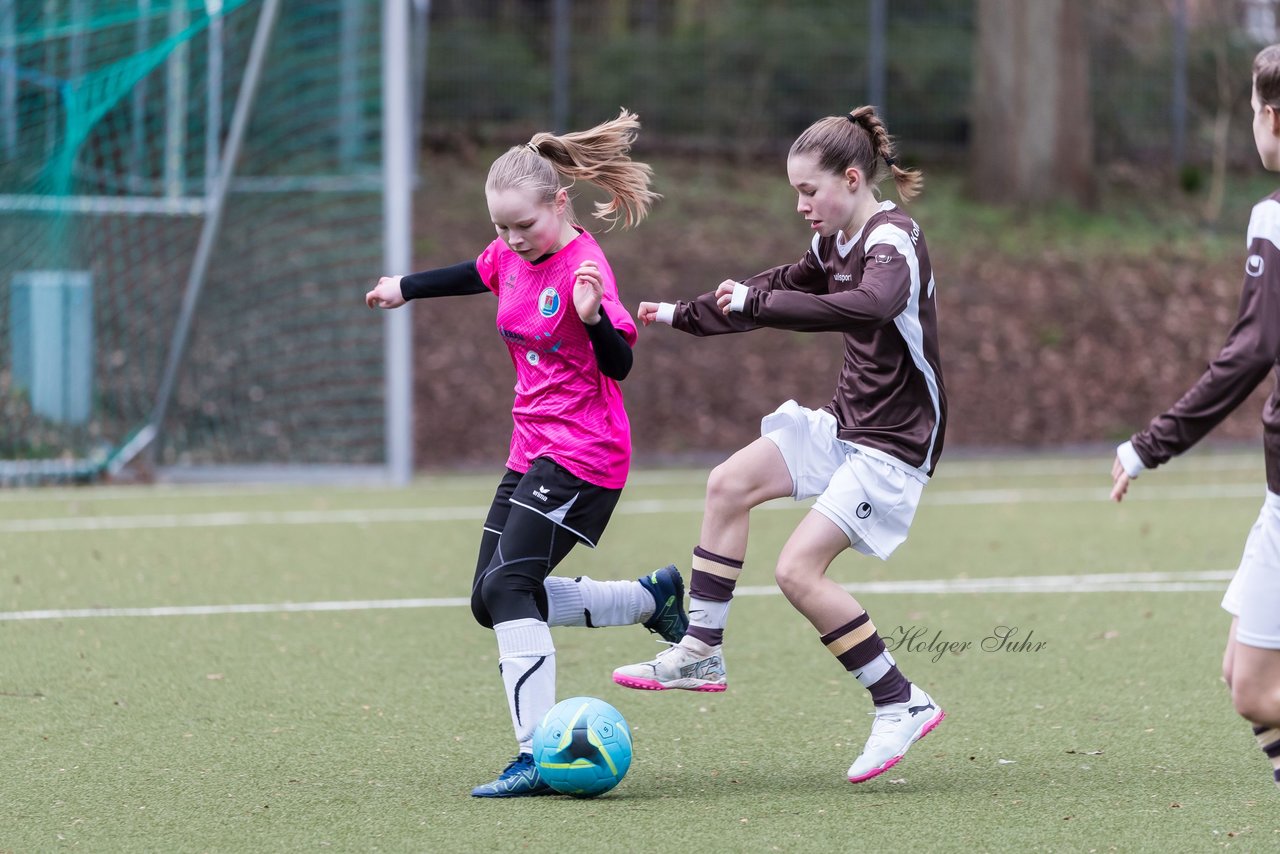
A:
{"points": [[1251, 664], [866, 455], [570, 341]]}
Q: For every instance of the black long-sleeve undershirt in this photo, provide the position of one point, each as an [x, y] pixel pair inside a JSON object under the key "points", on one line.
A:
{"points": [[613, 353], [456, 281]]}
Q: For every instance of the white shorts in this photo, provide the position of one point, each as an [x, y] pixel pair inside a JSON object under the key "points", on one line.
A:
{"points": [[872, 500], [1254, 593]]}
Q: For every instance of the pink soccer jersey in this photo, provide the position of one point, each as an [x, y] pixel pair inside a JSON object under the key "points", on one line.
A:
{"points": [[565, 409]]}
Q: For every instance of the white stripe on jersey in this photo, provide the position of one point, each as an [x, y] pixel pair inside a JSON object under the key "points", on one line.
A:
{"points": [[845, 248], [1264, 222], [908, 321], [813, 247]]}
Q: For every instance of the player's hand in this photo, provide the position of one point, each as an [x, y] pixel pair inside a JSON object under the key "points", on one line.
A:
{"points": [[724, 294], [1120, 480], [647, 313], [385, 294], [588, 291]]}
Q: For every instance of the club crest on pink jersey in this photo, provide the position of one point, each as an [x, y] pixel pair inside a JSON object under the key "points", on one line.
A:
{"points": [[549, 303]]}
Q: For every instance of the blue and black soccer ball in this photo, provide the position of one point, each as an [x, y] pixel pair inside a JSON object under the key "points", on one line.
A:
{"points": [[582, 747]]}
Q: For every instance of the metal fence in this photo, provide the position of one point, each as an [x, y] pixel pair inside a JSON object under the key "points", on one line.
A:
{"points": [[745, 75]]}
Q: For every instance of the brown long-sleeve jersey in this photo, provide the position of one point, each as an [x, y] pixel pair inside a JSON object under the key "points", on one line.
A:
{"points": [[877, 290], [1249, 354]]}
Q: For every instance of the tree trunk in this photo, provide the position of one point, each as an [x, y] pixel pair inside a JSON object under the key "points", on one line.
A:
{"points": [[689, 14], [1032, 139], [616, 19]]}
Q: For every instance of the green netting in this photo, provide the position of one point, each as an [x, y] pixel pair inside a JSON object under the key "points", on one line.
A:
{"points": [[114, 119]]}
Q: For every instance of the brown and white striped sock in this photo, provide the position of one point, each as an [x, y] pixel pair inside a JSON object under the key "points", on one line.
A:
{"points": [[858, 646], [711, 583], [1269, 741]]}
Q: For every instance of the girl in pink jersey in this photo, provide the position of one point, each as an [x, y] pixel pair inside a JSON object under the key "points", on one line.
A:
{"points": [[1251, 664], [866, 455], [570, 339]]}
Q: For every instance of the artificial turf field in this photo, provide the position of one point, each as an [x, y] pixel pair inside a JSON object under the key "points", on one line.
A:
{"points": [[295, 669]]}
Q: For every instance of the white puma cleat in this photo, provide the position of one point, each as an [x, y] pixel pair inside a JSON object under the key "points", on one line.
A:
{"points": [[897, 726], [690, 664]]}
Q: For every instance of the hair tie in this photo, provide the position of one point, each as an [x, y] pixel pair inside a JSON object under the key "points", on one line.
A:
{"points": [[889, 161], [533, 148], [851, 118]]}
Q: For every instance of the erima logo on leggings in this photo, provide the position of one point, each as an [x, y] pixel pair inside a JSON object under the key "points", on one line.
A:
{"points": [[542, 493]]}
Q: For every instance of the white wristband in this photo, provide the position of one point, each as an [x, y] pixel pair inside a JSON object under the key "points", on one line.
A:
{"points": [[739, 299], [666, 313], [1129, 460]]}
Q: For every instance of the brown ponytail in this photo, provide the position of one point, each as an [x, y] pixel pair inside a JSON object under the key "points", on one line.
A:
{"points": [[1266, 76], [859, 138]]}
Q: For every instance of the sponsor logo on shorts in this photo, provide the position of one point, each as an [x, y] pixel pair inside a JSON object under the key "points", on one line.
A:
{"points": [[863, 511], [542, 493], [1254, 265]]}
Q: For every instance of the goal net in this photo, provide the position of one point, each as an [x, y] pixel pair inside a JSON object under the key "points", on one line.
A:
{"points": [[191, 203]]}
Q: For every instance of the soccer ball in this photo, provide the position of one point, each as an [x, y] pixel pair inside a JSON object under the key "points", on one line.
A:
{"points": [[582, 747]]}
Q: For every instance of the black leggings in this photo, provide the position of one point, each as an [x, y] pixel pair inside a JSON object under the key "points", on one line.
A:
{"points": [[518, 550]]}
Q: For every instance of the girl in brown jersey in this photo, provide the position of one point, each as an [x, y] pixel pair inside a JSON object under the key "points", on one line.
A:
{"points": [[1251, 664], [866, 455]]}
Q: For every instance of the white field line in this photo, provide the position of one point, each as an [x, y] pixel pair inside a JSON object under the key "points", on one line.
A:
{"points": [[964, 468], [70, 495], [207, 610], [227, 519], [1157, 582], [1096, 582], [1093, 465], [1071, 495], [231, 519]]}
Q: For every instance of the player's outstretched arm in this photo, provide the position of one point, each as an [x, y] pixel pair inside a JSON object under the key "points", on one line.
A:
{"points": [[385, 294], [653, 312], [457, 280], [724, 295], [647, 312], [1119, 481]]}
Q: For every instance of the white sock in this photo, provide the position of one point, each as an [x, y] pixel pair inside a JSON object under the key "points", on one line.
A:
{"points": [[707, 614], [875, 669], [527, 658], [572, 601]]}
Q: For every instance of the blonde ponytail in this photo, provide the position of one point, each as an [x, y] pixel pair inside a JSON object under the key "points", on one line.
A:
{"points": [[599, 156]]}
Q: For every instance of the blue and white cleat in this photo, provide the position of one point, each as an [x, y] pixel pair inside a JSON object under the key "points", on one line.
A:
{"points": [[519, 779], [669, 618]]}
